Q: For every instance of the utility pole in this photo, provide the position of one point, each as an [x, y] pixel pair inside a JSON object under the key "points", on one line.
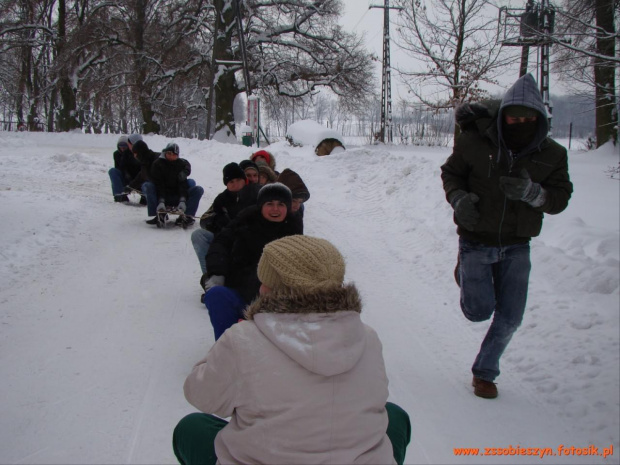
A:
{"points": [[546, 24], [386, 75]]}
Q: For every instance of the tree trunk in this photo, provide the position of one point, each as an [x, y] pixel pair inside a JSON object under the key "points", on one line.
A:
{"points": [[67, 120], [604, 78], [143, 88], [149, 126], [226, 88]]}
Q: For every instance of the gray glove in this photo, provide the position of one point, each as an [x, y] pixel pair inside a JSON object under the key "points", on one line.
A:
{"points": [[522, 188], [161, 206], [182, 206], [465, 209], [215, 280]]}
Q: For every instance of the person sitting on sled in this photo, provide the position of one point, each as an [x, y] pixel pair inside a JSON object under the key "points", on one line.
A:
{"points": [[230, 282], [169, 174], [126, 168], [141, 182], [225, 207], [303, 380]]}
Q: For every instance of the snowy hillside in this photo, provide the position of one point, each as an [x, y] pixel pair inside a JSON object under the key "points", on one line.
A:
{"points": [[101, 320]]}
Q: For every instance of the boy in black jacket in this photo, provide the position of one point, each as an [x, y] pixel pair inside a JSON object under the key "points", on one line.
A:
{"points": [[237, 195], [169, 174], [126, 168]]}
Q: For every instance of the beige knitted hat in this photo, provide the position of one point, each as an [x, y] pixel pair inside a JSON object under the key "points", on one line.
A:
{"points": [[301, 262]]}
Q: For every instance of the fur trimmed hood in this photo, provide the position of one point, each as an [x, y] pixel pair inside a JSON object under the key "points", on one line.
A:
{"points": [[321, 331], [467, 114], [336, 299]]}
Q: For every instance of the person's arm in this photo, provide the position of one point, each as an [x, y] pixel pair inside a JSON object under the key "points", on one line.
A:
{"points": [[158, 177], [558, 188], [218, 256], [118, 162], [455, 172], [182, 178], [213, 385], [549, 195]]}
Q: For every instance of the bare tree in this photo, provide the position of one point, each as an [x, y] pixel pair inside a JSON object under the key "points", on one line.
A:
{"points": [[293, 48], [90, 63], [454, 43], [160, 44], [585, 39], [26, 41]]}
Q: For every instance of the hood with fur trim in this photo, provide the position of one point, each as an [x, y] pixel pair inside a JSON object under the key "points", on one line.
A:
{"points": [[322, 330], [466, 115]]}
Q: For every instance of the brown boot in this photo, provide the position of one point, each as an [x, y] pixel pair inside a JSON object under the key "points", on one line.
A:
{"points": [[483, 388]]}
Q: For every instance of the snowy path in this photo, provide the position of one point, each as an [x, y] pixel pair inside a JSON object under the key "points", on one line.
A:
{"points": [[101, 320]]}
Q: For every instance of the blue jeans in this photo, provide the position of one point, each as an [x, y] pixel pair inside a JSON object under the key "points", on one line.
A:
{"points": [[117, 179], [194, 194], [201, 240], [494, 282], [225, 307]]}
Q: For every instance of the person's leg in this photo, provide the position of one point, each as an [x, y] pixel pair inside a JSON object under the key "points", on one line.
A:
{"points": [[399, 431], [475, 274], [225, 307], [193, 439], [148, 189], [190, 183], [194, 196], [511, 283], [201, 241], [117, 180]]}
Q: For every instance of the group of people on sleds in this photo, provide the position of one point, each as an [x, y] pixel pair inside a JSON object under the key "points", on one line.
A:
{"points": [[294, 376], [160, 178]]}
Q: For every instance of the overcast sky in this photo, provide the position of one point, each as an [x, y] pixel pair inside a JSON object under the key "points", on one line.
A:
{"points": [[368, 22]]}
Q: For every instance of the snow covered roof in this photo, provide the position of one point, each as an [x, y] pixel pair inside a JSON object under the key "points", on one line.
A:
{"points": [[311, 133]]}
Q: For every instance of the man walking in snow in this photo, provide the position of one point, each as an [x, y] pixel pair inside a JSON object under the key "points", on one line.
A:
{"points": [[503, 174]]}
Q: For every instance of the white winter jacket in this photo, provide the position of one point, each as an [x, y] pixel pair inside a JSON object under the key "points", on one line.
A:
{"points": [[303, 381]]}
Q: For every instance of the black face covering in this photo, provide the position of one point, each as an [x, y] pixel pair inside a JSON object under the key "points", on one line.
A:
{"points": [[518, 136]]}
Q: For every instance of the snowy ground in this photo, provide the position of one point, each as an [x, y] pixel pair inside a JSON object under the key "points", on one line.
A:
{"points": [[101, 320]]}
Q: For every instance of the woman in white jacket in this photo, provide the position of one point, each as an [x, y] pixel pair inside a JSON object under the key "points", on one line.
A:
{"points": [[303, 379]]}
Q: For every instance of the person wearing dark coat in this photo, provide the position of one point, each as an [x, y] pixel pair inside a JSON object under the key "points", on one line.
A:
{"points": [[231, 281], [225, 207], [145, 157], [251, 171], [503, 175], [126, 168], [300, 194], [170, 178]]}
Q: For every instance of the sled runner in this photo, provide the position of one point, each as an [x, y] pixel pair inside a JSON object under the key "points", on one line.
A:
{"points": [[182, 219]]}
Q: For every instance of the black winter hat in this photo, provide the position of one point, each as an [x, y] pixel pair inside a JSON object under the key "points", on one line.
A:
{"points": [[275, 191], [232, 171], [245, 164], [140, 147]]}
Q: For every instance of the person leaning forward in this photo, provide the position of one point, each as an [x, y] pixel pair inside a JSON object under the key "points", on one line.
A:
{"points": [[303, 380]]}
